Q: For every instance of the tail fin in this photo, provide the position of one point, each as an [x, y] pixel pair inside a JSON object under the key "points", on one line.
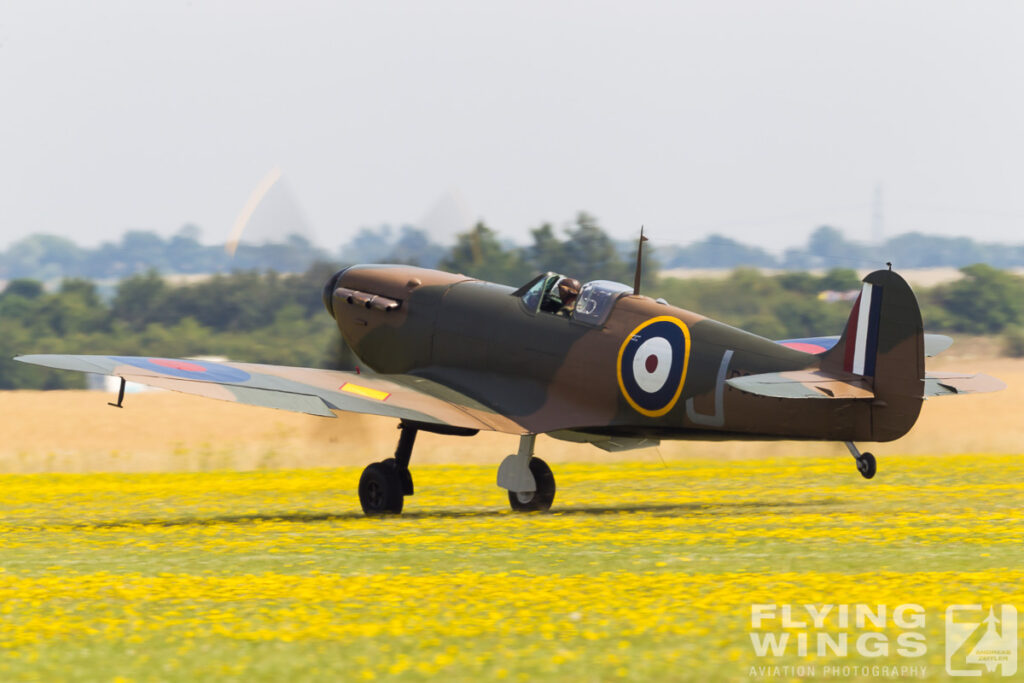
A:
{"points": [[884, 341]]}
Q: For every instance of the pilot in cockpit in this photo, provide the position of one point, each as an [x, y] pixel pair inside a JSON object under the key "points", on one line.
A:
{"points": [[568, 291]]}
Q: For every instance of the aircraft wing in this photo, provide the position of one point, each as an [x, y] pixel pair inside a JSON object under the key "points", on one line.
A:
{"points": [[934, 344], [303, 390]]}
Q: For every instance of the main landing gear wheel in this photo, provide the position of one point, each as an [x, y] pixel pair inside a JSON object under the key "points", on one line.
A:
{"points": [[541, 499], [384, 485], [866, 465], [380, 489]]}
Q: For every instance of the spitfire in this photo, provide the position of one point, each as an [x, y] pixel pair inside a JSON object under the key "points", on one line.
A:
{"points": [[450, 354]]}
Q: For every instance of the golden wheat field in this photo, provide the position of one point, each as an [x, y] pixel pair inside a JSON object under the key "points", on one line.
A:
{"points": [[165, 431], [182, 539]]}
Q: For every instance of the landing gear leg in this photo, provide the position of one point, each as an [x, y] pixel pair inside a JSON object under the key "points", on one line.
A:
{"points": [[529, 480], [384, 485], [866, 464]]}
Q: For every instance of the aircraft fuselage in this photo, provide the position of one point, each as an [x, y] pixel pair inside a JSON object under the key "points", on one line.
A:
{"points": [[480, 339]]}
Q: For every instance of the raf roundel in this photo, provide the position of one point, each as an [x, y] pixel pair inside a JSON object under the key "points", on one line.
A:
{"points": [[652, 365], [204, 371]]}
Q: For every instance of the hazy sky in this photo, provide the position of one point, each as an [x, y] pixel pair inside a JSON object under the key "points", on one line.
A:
{"points": [[759, 120]]}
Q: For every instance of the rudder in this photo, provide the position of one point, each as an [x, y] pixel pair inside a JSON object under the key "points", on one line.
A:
{"points": [[884, 341]]}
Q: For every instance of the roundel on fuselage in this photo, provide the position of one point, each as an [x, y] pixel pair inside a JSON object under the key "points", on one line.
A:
{"points": [[652, 365]]}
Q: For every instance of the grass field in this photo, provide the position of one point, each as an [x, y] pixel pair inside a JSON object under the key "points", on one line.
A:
{"points": [[646, 572], [171, 567]]}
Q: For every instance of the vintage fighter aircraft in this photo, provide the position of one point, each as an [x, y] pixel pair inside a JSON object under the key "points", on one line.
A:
{"points": [[453, 355]]}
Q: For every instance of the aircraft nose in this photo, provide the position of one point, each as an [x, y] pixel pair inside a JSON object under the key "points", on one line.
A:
{"points": [[328, 292]]}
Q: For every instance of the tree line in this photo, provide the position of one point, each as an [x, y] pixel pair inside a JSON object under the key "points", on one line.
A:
{"points": [[269, 317], [50, 257]]}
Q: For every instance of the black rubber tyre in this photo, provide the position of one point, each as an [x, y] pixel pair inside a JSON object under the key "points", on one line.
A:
{"points": [[541, 499], [866, 465], [406, 480], [380, 490]]}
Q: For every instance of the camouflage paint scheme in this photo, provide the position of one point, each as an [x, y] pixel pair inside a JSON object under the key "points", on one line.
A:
{"points": [[451, 351], [549, 373]]}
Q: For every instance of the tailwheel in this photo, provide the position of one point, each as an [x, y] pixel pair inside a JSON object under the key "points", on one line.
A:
{"points": [[543, 497], [380, 489], [866, 465], [865, 461]]}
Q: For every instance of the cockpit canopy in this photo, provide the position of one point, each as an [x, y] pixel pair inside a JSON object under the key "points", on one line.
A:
{"points": [[596, 300], [593, 305]]}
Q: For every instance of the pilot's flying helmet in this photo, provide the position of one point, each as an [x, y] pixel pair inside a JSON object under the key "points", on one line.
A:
{"points": [[568, 288]]}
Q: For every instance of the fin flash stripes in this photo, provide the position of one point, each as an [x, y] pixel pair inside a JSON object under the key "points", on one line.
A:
{"points": [[862, 332]]}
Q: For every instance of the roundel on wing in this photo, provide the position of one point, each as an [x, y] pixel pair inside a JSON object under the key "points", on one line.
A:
{"points": [[187, 369], [652, 365]]}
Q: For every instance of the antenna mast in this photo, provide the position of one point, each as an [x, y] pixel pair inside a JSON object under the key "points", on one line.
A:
{"points": [[639, 261]]}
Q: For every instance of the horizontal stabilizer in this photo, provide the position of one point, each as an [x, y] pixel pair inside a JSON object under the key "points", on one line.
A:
{"points": [[818, 384], [948, 383], [934, 344], [803, 384]]}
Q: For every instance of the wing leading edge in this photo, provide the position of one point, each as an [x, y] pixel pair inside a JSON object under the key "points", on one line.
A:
{"points": [[304, 390]]}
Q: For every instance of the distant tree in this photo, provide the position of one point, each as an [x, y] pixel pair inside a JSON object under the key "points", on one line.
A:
{"points": [[827, 248], [185, 254], [839, 280], [547, 251], [717, 251], [414, 247], [836, 279], [144, 249], [24, 288], [807, 317], [917, 250], [139, 299], [75, 307], [370, 245], [1013, 342], [589, 254], [478, 253], [293, 255], [42, 257], [985, 301], [304, 289], [799, 281]]}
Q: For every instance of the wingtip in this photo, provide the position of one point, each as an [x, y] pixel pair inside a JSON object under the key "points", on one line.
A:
{"points": [[33, 358]]}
